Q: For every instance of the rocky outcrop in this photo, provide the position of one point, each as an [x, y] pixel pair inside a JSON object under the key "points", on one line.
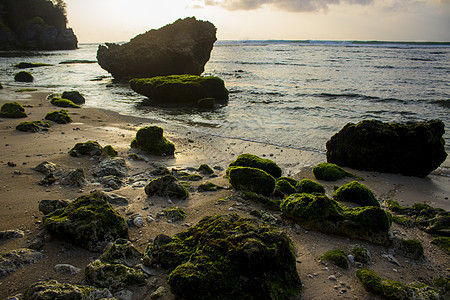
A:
{"points": [[35, 25], [16, 259], [52, 289], [412, 149], [183, 47]]}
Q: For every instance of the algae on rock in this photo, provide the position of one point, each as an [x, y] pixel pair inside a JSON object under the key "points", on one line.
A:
{"points": [[74, 96], [166, 186], [309, 186], [336, 257], [12, 110], [33, 126], [251, 180], [253, 161], [61, 102], [53, 290], [23, 76], [151, 140], [330, 172], [59, 116], [357, 193]]}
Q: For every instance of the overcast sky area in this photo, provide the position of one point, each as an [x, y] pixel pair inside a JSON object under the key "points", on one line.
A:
{"points": [[392, 20]]}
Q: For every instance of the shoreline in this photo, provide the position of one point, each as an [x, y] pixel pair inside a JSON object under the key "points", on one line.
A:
{"points": [[21, 195]]}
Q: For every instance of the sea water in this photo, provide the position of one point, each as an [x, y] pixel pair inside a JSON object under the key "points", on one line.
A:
{"points": [[288, 93]]}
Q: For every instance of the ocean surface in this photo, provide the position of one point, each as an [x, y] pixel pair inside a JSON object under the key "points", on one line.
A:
{"points": [[288, 93]]}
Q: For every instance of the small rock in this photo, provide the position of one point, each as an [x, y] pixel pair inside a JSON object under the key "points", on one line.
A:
{"points": [[11, 234], [66, 268], [160, 291], [351, 258], [332, 278], [124, 295], [138, 222]]}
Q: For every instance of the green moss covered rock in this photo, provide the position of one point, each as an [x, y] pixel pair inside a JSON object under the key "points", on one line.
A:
{"points": [[27, 65], [389, 289], [61, 102], [175, 214], [110, 151], [90, 148], [53, 290], [357, 193], [74, 96], [12, 110], [180, 89], [413, 149], [318, 212], [361, 255], [211, 259], [251, 180], [60, 117], [309, 186], [166, 186], [23, 76], [208, 187], [151, 140], [89, 221], [122, 252], [33, 126], [284, 188], [205, 169], [409, 248], [336, 257], [442, 242], [253, 161], [330, 172]]}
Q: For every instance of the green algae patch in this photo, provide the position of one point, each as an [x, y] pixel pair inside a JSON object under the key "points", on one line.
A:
{"points": [[181, 175], [110, 151], [442, 242], [361, 255], [25, 90], [91, 148], [151, 140], [12, 110], [59, 116], [336, 257], [394, 206], [291, 180], [409, 248], [267, 202], [33, 126], [357, 193], [175, 214], [89, 221], [309, 186], [180, 89], [27, 65], [166, 186], [61, 102], [284, 188], [208, 187], [389, 289], [253, 161], [251, 180], [23, 76], [209, 260], [318, 212], [330, 172], [52, 289]]}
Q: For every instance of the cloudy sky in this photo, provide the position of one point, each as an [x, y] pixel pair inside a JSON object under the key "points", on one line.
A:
{"points": [[395, 20]]}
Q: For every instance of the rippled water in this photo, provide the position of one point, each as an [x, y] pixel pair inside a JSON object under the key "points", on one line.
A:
{"points": [[281, 92]]}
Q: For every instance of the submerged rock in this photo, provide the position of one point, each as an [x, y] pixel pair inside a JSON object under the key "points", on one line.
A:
{"points": [[253, 161], [183, 47], [59, 116], [16, 259], [74, 96], [23, 76], [251, 180], [213, 258], [27, 65], [166, 186], [412, 149], [12, 110], [318, 212], [53, 290], [89, 221], [181, 89], [151, 140]]}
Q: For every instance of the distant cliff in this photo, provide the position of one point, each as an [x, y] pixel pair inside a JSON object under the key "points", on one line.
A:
{"points": [[35, 25]]}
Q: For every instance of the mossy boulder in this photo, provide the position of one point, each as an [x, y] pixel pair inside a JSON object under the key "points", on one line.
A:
{"points": [[61, 102], [357, 193], [309, 186], [12, 110], [284, 187], [361, 255], [122, 252], [151, 140], [174, 214], [409, 248], [210, 260], [89, 221], [90, 148], [74, 96], [253, 161], [251, 180], [27, 65], [23, 76], [34, 126], [112, 276], [336, 257], [412, 149], [53, 290], [166, 186], [386, 288], [111, 151], [180, 89], [59, 116], [208, 187], [318, 212], [330, 172], [205, 169]]}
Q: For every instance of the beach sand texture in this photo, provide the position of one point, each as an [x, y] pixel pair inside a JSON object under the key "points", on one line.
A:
{"points": [[20, 194]]}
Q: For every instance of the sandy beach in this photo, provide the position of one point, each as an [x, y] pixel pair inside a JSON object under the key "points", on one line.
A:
{"points": [[20, 194]]}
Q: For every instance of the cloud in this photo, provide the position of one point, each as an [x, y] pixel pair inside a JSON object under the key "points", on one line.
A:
{"points": [[287, 5]]}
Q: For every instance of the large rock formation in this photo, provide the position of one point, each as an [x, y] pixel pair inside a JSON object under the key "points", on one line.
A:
{"points": [[413, 149], [183, 47], [35, 25]]}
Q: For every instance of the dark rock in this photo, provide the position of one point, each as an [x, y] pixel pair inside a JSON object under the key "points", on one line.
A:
{"points": [[110, 151], [208, 187], [26, 65], [361, 255], [89, 221], [188, 90], [12, 110], [336, 257], [151, 140], [90, 148], [386, 288], [205, 169], [111, 181], [267, 202], [11, 234], [207, 103], [412, 149], [253, 161], [115, 166], [183, 47], [66, 40], [23, 76], [33, 126], [74, 178], [60, 117], [122, 252], [166, 186], [284, 188], [408, 248], [53, 290], [16, 259], [49, 206], [45, 167], [309, 186], [214, 256], [318, 212], [116, 199], [357, 193], [74, 96], [251, 180], [48, 180], [181, 175]]}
